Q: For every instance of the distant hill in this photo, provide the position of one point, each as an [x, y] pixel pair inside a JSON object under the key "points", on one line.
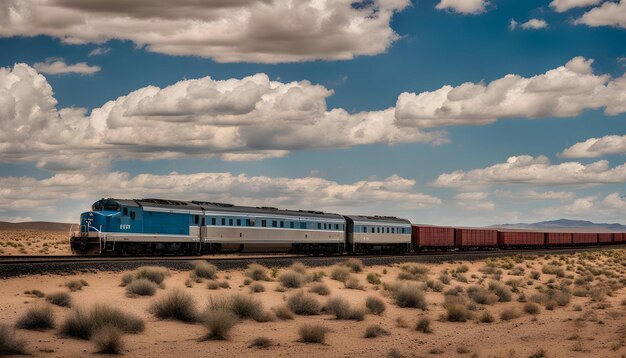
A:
{"points": [[35, 225], [579, 225]]}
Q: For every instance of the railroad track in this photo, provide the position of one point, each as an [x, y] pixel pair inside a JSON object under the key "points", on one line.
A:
{"points": [[11, 266]]}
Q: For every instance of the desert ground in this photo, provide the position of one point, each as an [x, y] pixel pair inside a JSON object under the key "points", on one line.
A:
{"points": [[34, 242], [541, 306]]}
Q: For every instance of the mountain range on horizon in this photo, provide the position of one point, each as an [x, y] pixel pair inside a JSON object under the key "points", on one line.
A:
{"points": [[563, 223]]}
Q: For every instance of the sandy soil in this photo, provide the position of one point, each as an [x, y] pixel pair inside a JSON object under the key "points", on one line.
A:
{"points": [[593, 325], [34, 242]]}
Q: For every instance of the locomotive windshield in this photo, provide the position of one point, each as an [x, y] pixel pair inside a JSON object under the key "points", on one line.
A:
{"points": [[105, 205]]}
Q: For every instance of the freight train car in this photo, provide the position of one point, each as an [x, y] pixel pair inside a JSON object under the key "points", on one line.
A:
{"points": [[605, 238], [467, 238], [432, 237], [377, 234], [558, 238], [520, 239], [584, 238]]}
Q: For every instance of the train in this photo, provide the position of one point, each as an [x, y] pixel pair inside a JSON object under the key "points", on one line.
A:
{"points": [[138, 227]]}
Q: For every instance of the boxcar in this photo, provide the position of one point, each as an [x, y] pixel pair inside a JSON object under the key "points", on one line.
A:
{"points": [[425, 237], [377, 233], [582, 238], [558, 238], [520, 238], [619, 237], [467, 238], [605, 237]]}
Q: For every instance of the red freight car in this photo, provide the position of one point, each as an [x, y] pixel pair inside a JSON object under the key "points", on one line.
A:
{"points": [[475, 237], [520, 238], [581, 238], [558, 238], [432, 236], [619, 237], [605, 237]]}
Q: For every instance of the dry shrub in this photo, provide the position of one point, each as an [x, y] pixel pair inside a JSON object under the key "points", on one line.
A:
{"points": [[375, 305], [340, 307], [597, 294], [261, 342], [509, 314], [503, 292], [176, 304], [423, 325], [292, 279], [375, 330], [204, 269], [456, 309], [153, 273], [62, 299], [312, 333], [373, 278], [352, 282], [141, 287], [485, 317], [76, 285], [562, 298], [9, 344], [257, 287], [303, 304], [413, 272], [38, 317], [481, 295], [248, 307], [83, 324], [339, 273], [218, 323], [299, 267], [409, 295], [531, 308], [395, 353], [321, 289], [257, 272], [283, 312], [355, 265], [108, 340]]}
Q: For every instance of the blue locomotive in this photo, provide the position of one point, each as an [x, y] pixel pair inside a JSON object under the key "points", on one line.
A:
{"points": [[158, 226]]}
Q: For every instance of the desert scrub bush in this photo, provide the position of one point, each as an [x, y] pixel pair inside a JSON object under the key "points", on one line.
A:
{"points": [[218, 323], [509, 314], [444, 278], [355, 265], [375, 330], [81, 323], [541, 353], [261, 342], [531, 308], [459, 277], [597, 294], [153, 273], [456, 309], [283, 312], [413, 272], [339, 273], [375, 305], [312, 333], [517, 271], [9, 343], [248, 307], [303, 304], [292, 279], [340, 307], [76, 285], [409, 295], [204, 269], [257, 287], [352, 282], [38, 317], [62, 299], [141, 287], [503, 292], [36, 293], [485, 317], [247, 282], [423, 325], [108, 340], [552, 269], [321, 289], [257, 272], [462, 269], [481, 295], [315, 276], [562, 298], [299, 267], [435, 286], [373, 278], [535, 275], [175, 304]]}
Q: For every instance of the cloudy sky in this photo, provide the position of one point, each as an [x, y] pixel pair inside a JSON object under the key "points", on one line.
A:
{"points": [[457, 112]]}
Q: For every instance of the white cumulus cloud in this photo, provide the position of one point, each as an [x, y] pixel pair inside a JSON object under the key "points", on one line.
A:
{"points": [[592, 207], [608, 14], [534, 24], [535, 195], [59, 67], [565, 5], [227, 31], [463, 6], [597, 147]]}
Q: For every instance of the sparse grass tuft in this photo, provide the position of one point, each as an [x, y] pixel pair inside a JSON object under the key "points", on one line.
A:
{"points": [[340, 307], [9, 344], [355, 265], [375, 305], [352, 282], [503, 292], [375, 330], [423, 325], [141, 287], [339, 273], [204, 269], [153, 273], [456, 309], [509, 314], [531, 308], [283, 312], [321, 289], [75, 285], [176, 304], [257, 287], [257, 272], [83, 324], [218, 323], [299, 267], [292, 279], [303, 304], [261, 342], [373, 278], [413, 272], [541, 353], [312, 333], [108, 340], [39, 317], [485, 317], [409, 295], [62, 299], [481, 295], [248, 307]]}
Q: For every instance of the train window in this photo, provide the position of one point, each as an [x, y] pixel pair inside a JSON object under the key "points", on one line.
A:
{"points": [[196, 219], [302, 225], [387, 230], [364, 229], [336, 226], [274, 223], [125, 212], [250, 222], [132, 215], [213, 221], [372, 230], [282, 224], [98, 206], [238, 222], [263, 223], [319, 226], [393, 230], [292, 224], [203, 221], [378, 230], [223, 221], [230, 222]]}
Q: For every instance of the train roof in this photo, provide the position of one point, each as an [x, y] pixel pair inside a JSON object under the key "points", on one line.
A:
{"points": [[223, 207], [376, 218]]}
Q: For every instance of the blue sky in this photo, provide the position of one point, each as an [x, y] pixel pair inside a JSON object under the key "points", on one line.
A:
{"points": [[398, 159]]}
